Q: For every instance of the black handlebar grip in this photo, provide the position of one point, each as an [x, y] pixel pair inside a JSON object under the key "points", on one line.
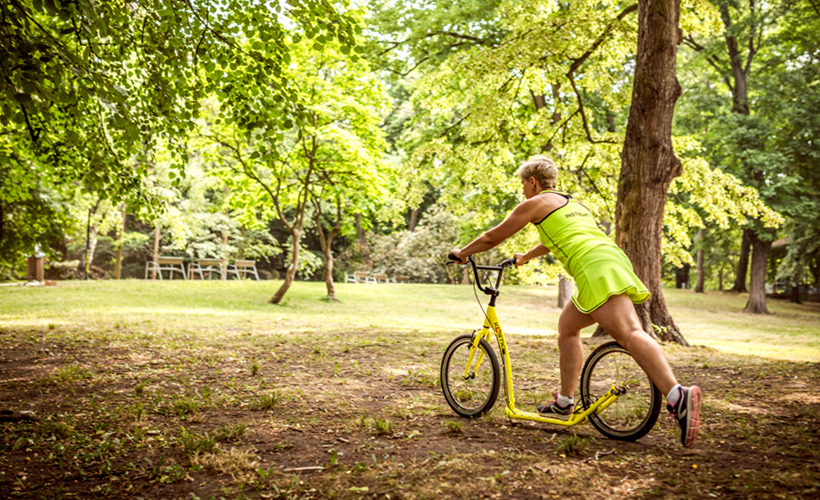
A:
{"points": [[453, 258]]}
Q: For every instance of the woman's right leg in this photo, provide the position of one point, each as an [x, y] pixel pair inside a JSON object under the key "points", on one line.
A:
{"points": [[571, 351]]}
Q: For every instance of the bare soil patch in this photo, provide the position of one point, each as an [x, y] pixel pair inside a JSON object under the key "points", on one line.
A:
{"points": [[125, 413]]}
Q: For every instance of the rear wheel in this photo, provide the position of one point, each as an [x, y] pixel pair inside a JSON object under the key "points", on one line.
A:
{"points": [[475, 394], [635, 412]]}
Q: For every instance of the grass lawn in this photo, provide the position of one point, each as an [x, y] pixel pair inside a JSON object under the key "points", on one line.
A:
{"points": [[203, 390]]}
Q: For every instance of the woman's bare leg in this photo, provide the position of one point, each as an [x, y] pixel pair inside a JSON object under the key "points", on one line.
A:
{"points": [[571, 350], [619, 319]]}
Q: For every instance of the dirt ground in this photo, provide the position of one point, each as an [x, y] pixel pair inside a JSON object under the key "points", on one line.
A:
{"points": [[126, 413]]}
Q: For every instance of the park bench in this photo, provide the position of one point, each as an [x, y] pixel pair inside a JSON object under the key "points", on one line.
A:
{"points": [[401, 279], [358, 277], [166, 264], [380, 278], [243, 267], [209, 266]]}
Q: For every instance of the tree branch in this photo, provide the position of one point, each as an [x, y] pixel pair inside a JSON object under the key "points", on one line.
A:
{"points": [[578, 62], [583, 114]]}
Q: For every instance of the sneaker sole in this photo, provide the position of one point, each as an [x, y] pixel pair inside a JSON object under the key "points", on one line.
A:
{"points": [[694, 419]]}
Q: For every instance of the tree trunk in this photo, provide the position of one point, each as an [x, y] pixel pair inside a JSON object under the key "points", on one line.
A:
{"points": [[564, 291], [227, 212], [92, 247], [757, 285], [120, 234], [682, 276], [328, 274], [362, 240], [465, 276], [743, 263], [795, 294], [157, 236], [326, 242], [414, 219], [648, 163], [720, 279], [294, 266], [701, 270]]}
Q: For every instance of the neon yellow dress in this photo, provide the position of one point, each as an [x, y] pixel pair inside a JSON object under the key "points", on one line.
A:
{"points": [[600, 268]]}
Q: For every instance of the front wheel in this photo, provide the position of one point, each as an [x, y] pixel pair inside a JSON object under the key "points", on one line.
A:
{"points": [[470, 389], [635, 412]]}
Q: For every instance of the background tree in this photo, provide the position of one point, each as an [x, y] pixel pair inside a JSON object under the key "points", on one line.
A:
{"points": [[334, 150]]}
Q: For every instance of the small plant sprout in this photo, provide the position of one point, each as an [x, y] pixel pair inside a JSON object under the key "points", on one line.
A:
{"points": [[572, 445], [254, 368], [383, 427], [454, 427], [140, 388], [267, 401]]}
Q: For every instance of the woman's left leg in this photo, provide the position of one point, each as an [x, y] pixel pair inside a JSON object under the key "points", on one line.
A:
{"points": [[619, 319]]}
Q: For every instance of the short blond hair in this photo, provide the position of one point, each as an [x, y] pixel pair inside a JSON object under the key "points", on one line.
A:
{"points": [[542, 168]]}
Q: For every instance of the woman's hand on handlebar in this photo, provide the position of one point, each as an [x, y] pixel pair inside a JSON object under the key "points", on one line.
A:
{"points": [[520, 259], [456, 252]]}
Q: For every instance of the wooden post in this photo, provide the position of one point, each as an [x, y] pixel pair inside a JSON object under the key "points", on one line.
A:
{"points": [[157, 236], [121, 233]]}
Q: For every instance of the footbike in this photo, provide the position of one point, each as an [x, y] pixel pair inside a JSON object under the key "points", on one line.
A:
{"points": [[617, 397]]}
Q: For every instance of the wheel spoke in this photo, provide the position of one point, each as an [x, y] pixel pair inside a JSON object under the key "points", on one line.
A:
{"points": [[634, 413]]}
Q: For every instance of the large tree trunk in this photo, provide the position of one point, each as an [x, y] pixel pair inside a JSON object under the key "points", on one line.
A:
{"points": [[294, 266], [648, 163], [757, 285], [362, 240], [743, 263], [564, 291]]}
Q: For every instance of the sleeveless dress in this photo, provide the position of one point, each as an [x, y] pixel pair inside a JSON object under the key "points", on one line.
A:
{"points": [[600, 268]]}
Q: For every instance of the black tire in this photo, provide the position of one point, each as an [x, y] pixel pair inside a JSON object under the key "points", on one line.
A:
{"points": [[634, 413], [476, 395]]}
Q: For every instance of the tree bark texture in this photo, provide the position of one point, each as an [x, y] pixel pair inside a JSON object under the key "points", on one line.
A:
{"points": [[743, 263], [296, 235], [757, 285], [362, 240], [648, 163], [564, 291], [701, 270]]}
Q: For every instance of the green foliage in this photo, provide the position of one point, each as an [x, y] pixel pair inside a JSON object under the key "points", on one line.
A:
{"points": [[540, 78], [420, 254], [88, 84]]}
